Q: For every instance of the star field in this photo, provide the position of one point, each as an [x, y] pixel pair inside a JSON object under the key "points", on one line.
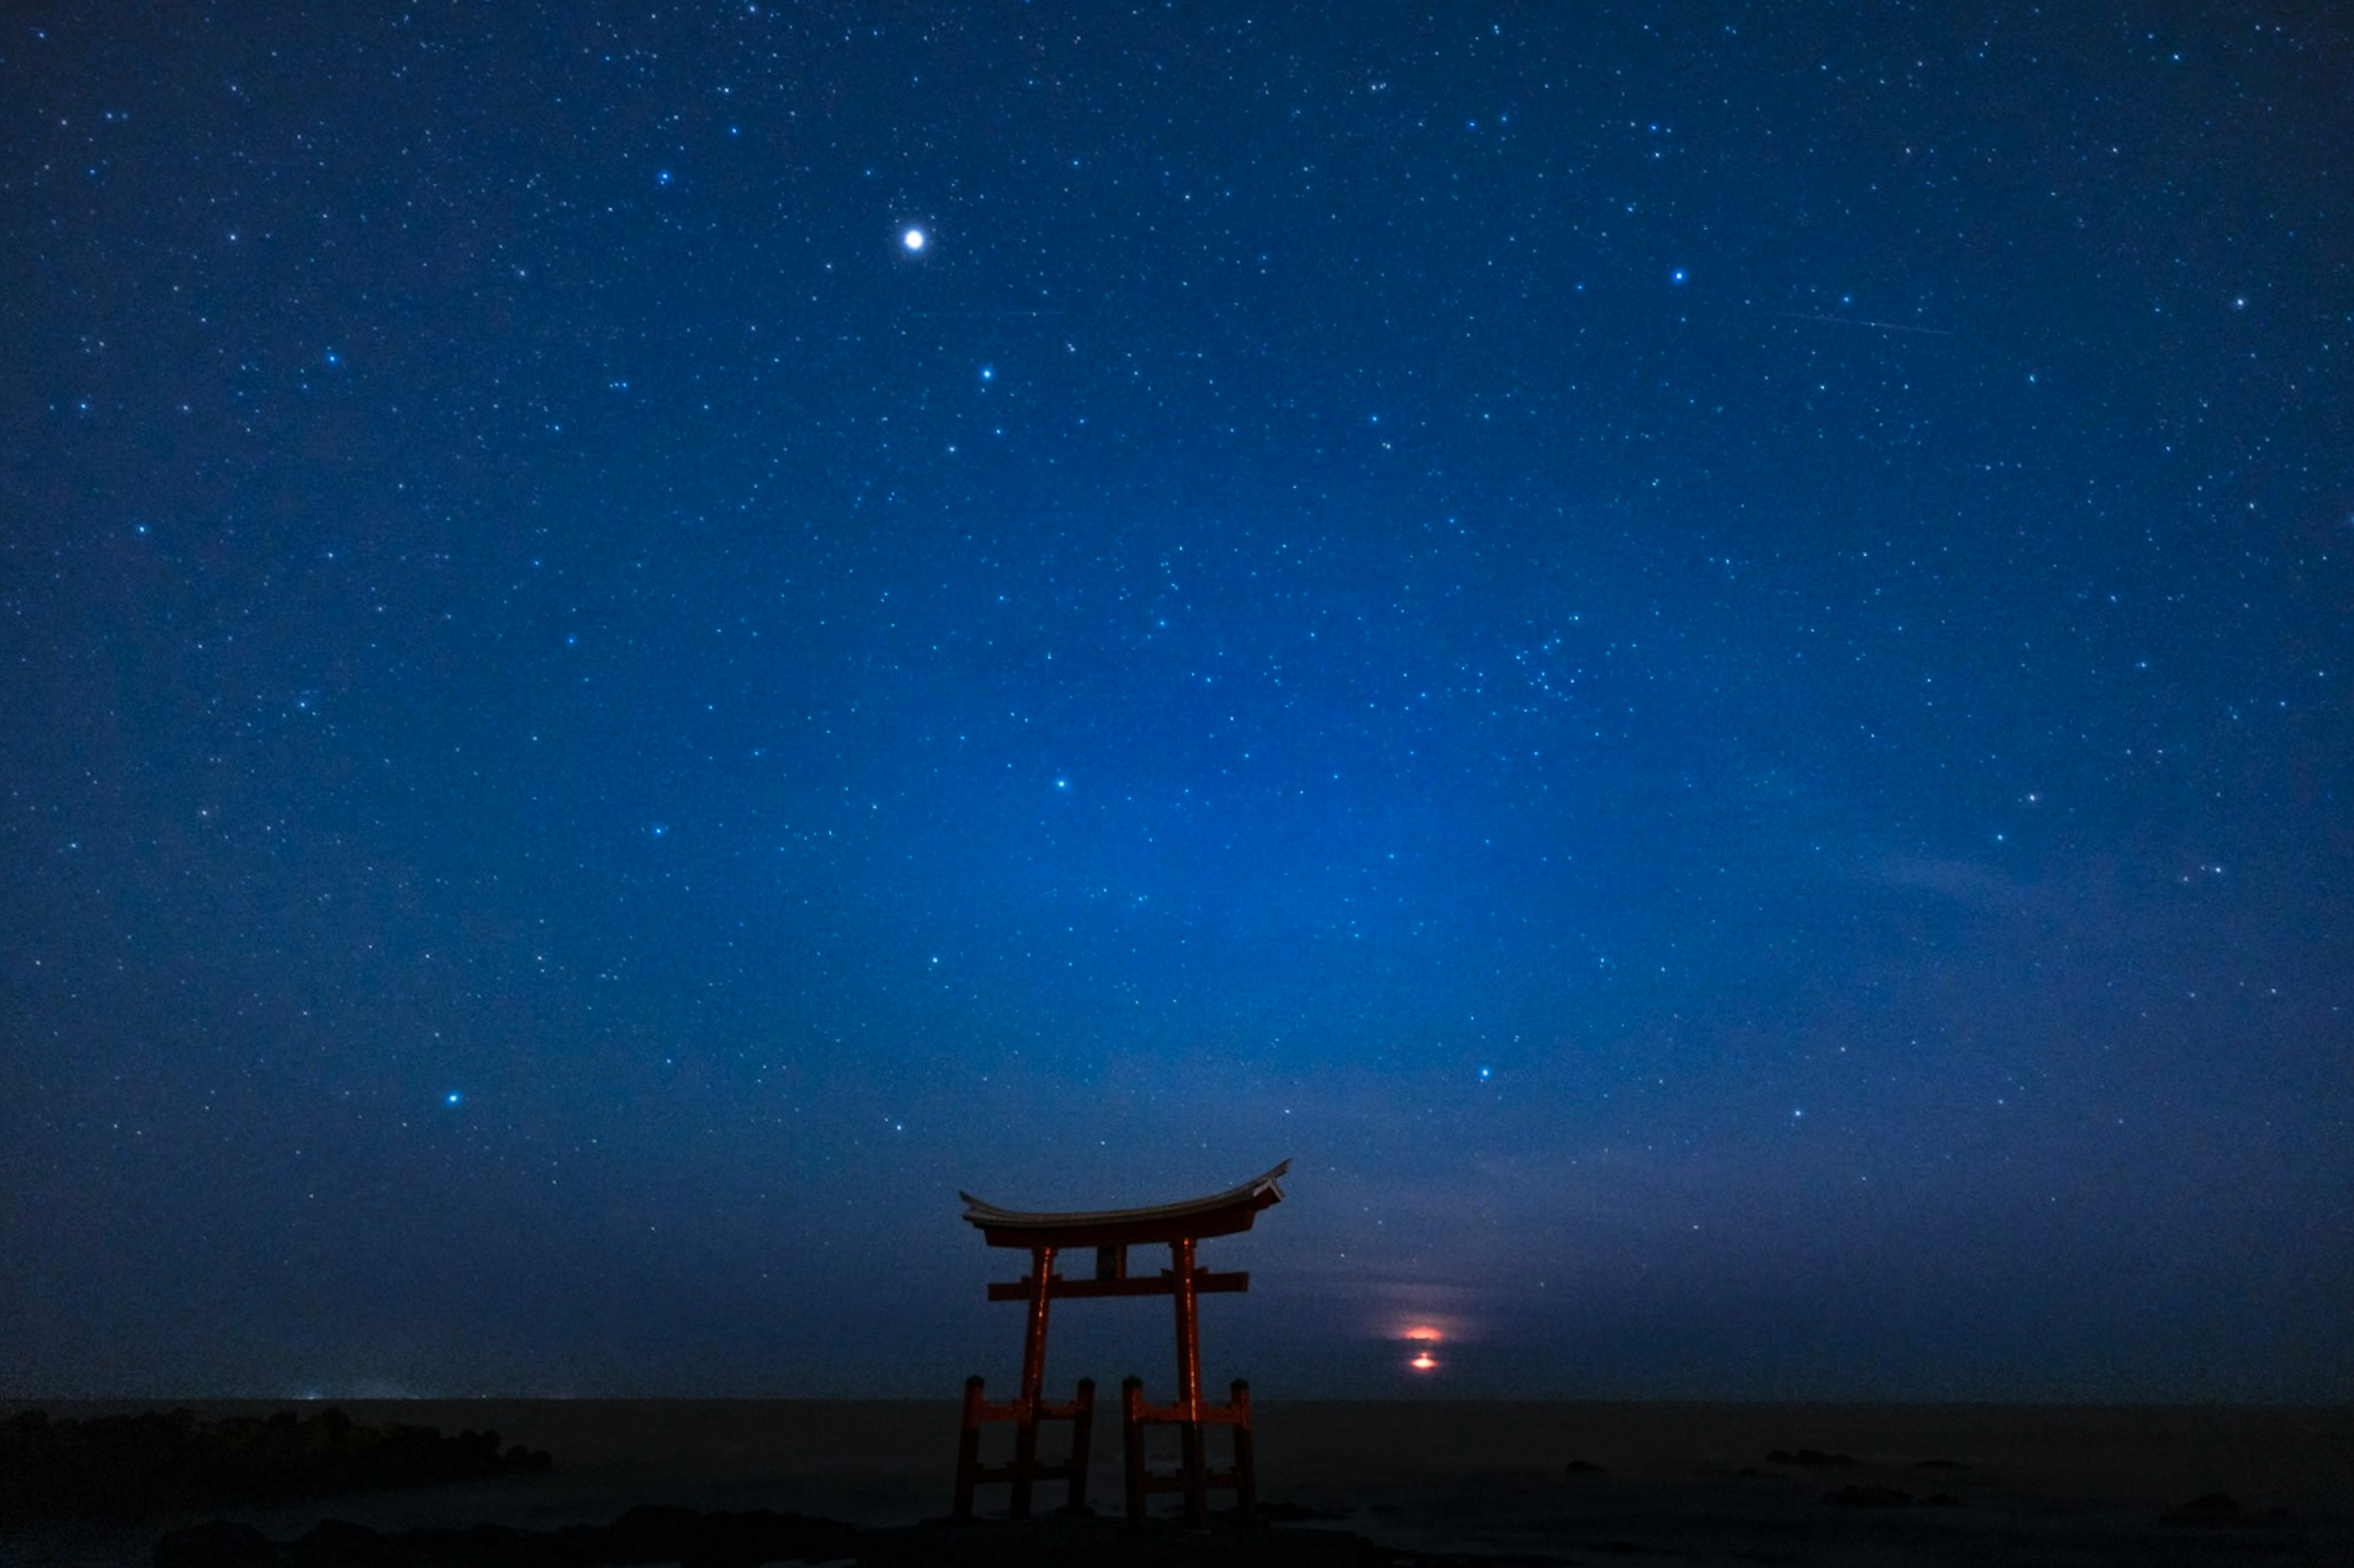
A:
{"points": [[1703, 659]]}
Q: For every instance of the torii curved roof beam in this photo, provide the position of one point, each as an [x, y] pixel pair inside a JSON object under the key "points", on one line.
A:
{"points": [[1220, 1214]]}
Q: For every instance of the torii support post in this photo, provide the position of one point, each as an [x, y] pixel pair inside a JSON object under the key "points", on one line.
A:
{"points": [[1080, 1412], [1189, 1382], [1033, 1378], [1180, 1226], [1026, 1411], [1189, 1415], [1195, 1479]]}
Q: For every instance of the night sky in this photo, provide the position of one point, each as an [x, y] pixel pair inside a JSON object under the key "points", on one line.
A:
{"points": [[1703, 655]]}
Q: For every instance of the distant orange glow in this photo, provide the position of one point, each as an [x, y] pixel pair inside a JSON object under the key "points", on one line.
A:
{"points": [[1424, 1332], [1424, 1363]]}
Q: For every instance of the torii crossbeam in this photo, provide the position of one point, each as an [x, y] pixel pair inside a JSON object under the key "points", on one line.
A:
{"points": [[1112, 1232]]}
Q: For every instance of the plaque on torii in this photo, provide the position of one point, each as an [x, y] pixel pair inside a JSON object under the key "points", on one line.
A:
{"points": [[1109, 1233]]}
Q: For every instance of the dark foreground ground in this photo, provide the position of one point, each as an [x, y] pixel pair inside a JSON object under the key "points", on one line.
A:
{"points": [[694, 1539], [709, 1484]]}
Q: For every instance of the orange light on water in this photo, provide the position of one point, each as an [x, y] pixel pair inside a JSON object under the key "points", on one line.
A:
{"points": [[1424, 1363], [1424, 1332]]}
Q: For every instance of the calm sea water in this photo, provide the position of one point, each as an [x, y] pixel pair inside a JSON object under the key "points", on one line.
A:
{"points": [[1691, 1481]]}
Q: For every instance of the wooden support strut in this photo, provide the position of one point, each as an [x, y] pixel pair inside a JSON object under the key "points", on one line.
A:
{"points": [[1240, 1477], [978, 1411]]}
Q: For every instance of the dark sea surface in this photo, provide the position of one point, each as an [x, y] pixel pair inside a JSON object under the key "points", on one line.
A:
{"points": [[1675, 1482]]}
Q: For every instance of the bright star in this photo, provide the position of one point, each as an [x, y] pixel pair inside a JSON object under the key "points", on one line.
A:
{"points": [[913, 240]]}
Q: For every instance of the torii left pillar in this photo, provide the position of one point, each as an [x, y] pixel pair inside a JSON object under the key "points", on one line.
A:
{"points": [[1028, 1408]]}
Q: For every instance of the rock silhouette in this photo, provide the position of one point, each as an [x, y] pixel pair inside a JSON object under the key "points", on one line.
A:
{"points": [[650, 1535], [2214, 1507], [1868, 1497], [133, 1466], [1811, 1458]]}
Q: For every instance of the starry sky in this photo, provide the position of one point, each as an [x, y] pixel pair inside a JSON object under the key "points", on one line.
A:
{"points": [[1700, 654]]}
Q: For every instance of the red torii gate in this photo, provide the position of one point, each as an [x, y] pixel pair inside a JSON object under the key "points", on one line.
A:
{"points": [[1112, 1232]]}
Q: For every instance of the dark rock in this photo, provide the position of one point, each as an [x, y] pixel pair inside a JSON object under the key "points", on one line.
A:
{"points": [[2215, 1507], [695, 1540], [340, 1535], [219, 1544], [1811, 1458], [1583, 1468], [1292, 1513], [126, 1467], [1868, 1497], [519, 1461], [1942, 1500]]}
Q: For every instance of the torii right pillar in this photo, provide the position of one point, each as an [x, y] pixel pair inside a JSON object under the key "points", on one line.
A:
{"points": [[1189, 1414]]}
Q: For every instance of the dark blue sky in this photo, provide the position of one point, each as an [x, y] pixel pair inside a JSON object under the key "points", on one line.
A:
{"points": [[1702, 655]]}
